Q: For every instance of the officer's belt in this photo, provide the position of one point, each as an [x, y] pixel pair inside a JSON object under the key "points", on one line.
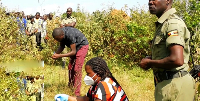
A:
{"points": [[166, 75]]}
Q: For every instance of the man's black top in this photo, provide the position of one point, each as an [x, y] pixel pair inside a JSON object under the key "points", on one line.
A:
{"points": [[73, 36]]}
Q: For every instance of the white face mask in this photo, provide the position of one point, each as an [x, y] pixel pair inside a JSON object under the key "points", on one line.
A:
{"points": [[89, 81]]}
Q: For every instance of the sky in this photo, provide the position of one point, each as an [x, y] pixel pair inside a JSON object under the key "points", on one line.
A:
{"points": [[60, 6]]}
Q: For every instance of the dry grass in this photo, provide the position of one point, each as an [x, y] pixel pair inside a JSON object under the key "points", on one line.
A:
{"points": [[138, 84]]}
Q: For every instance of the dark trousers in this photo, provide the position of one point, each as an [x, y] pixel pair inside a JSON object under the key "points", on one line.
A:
{"points": [[38, 38]]}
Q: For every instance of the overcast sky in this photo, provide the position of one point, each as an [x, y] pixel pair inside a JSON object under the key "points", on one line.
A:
{"points": [[60, 6]]}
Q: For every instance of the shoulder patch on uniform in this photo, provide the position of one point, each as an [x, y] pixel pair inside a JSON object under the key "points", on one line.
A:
{"points": [[173, 33]]}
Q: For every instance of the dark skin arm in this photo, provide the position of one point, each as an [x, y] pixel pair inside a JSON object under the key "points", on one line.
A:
{"points": [[81, 98], [70, 24], [60, 49], [175, 59], [27, 33], [27, 93]]}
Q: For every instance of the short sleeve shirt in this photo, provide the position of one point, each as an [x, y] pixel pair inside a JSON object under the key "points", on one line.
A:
{"points": [[31, 87], [107, 90], [68, 20], [38, 24], [170, 30], [73, 36], [30, 27]]}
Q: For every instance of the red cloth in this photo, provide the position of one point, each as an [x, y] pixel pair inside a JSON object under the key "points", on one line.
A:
{"points": [[75, 69]]}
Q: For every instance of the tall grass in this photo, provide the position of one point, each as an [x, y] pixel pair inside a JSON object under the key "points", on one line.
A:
{"points": [[137, 84]]}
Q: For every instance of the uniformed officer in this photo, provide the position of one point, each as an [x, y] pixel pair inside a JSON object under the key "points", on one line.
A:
{"points": [[28, 19], [30, 31], [44, 30], [69, 21], [52, 22], [31, 90], [170, 55], [38, 26]]}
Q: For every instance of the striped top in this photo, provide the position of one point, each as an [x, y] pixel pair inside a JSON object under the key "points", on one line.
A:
{"points": [[107, 90]]}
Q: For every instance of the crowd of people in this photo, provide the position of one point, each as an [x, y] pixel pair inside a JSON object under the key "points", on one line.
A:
{"points": [[31, 86], [35, 27]]}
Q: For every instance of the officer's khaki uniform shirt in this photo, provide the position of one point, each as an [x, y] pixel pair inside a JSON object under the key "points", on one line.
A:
{"points": [[38, 24], [31, 87], [30, 27], [68, 20], [50, 25], [170, 29]]}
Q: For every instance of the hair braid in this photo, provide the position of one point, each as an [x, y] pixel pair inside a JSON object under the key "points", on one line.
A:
{"points": [[99, 66]]}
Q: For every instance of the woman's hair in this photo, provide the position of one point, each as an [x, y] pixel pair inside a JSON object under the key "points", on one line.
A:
{"points": [[99, 66]]}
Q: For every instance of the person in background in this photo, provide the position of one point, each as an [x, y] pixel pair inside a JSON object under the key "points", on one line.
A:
{"points": [[53, 22], [24, 21], [38, 83], [103, 85], [28, 19], [19, 22], [50, 16], [70, 21], [38, 27], [31, 32], [42, 85], [22, 83], [44, 30], [31, 89]]}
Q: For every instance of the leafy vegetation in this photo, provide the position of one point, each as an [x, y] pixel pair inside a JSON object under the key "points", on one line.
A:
{"points": [[120, 38]]}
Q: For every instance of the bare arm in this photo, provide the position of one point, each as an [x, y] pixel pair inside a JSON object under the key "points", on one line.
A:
{"points": [[27, 93], [27, 33], [71, 53], [175, 59], [60, 49], [81, 98], [70, 24]]}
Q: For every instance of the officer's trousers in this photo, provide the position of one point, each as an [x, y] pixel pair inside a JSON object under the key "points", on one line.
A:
{"points": [[176, 89]]}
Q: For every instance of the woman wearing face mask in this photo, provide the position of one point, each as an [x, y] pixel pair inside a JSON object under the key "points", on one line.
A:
{"points": [[104, 87]]}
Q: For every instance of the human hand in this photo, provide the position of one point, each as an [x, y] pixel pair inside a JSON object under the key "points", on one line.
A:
{"points": [[144, 64], [35, 30], [55, 56], [61, 97], [35, 91]]}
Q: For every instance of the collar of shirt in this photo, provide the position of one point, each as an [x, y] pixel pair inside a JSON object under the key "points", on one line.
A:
{"points": [[166, 15], [69, 17]]}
